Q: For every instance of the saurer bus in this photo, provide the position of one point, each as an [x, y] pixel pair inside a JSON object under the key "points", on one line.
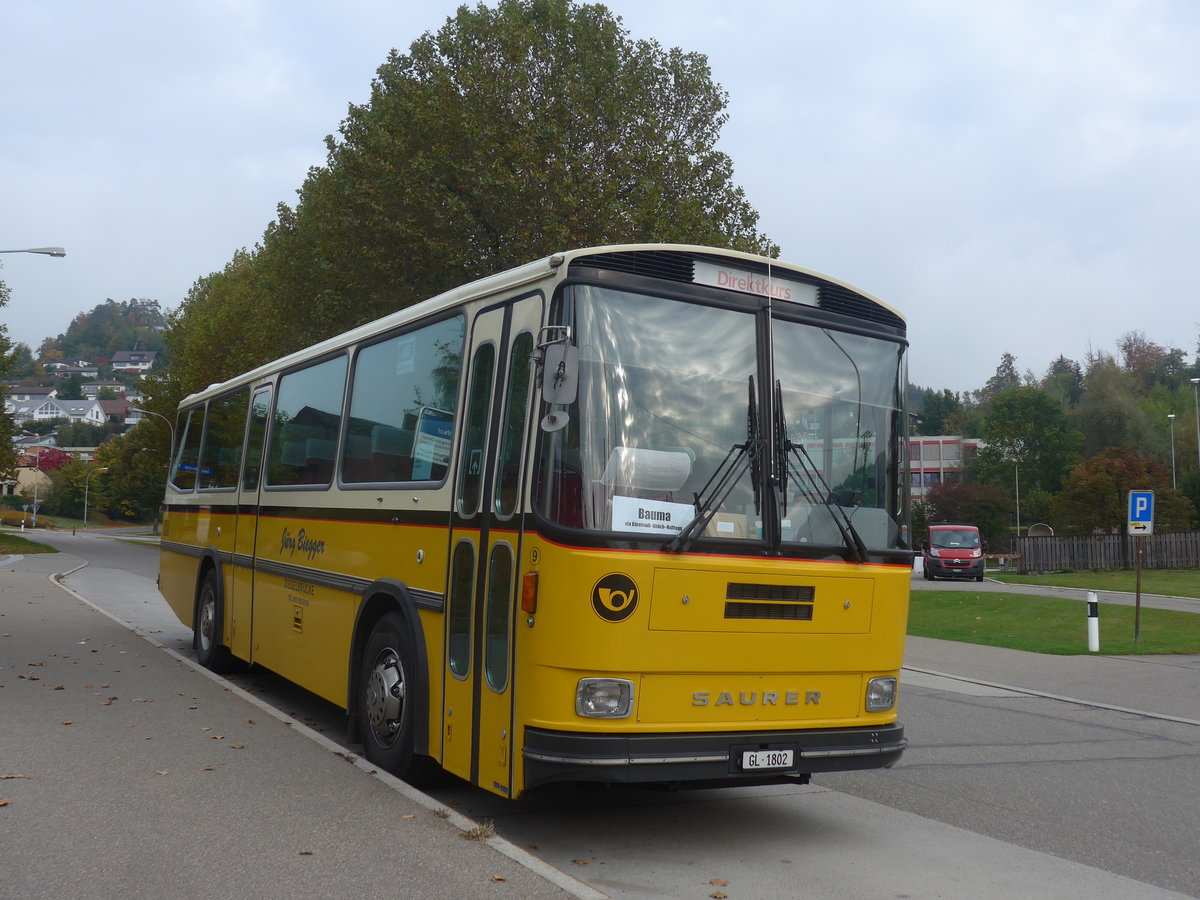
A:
{"points": [[623, 514]]}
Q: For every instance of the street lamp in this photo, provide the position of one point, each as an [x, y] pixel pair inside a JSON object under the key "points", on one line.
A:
{"points": [[1171, 419], [48, 251], [1196, 400], [170, 426], [86, 485]]}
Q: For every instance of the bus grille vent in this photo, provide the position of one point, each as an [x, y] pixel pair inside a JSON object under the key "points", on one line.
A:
{"points": [[769, 601]]}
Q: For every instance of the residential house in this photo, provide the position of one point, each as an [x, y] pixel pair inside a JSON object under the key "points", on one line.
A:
{"points": [[133, 362], [92, 389], [88, 411]]}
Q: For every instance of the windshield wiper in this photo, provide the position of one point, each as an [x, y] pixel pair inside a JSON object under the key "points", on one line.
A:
{"points": [[710, 498], [796, 459]]}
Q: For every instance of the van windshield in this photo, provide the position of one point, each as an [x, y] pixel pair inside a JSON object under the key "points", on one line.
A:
{"points": [[954, 539]]}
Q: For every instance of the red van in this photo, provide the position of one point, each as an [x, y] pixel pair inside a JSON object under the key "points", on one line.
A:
{"points": [[953, 551]]}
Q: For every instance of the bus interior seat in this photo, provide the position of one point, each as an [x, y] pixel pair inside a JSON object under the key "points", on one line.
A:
{"points": [[391, 458], [319, 460], [356, 466]]}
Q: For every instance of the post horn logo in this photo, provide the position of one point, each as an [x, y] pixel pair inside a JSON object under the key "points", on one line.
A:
{"points": [[614, 597]]}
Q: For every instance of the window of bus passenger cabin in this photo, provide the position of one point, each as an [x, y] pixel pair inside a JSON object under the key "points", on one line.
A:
{"points": [[479, 395], [508, 479], [221, 458], [402, 405], [260, 408], [308, 415], [183, 473]]}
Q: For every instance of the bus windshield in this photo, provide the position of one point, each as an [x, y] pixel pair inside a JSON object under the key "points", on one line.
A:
{"points": [[665, 402], [663, 397], [841, 407]]}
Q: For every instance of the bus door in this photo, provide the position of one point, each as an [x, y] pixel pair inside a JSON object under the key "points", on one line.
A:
{"points": [[477, 726], [240, 603]]}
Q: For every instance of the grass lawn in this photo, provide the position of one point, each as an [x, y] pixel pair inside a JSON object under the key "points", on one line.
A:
{"points": [[12, 542], [1172, 582], [1047, 624]]}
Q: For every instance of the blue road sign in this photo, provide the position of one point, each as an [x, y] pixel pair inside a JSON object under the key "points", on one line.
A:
{"points": [[1141, 512]]}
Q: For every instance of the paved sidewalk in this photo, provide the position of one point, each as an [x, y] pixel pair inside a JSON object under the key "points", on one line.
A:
{"points": [[126, 772]]}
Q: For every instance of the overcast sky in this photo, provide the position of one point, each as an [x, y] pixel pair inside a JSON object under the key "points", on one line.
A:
{"points": [[1016, 176]]}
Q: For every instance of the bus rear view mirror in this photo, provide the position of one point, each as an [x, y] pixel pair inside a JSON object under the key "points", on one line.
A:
{"points": [[560, 374]]}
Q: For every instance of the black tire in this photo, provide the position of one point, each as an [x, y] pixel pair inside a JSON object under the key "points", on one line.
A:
{"points": [[979, 578], [208, 628], [928, 576], [386, 700]]}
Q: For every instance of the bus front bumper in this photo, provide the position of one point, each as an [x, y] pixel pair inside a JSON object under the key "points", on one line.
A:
{"points": [[707, 759]]}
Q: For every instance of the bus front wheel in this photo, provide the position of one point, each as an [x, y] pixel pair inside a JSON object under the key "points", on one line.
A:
{"points": [[386, 699], [211, 653]]}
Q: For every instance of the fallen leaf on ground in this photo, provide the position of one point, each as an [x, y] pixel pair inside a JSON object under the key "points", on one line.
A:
{"points": [[582, 862]]}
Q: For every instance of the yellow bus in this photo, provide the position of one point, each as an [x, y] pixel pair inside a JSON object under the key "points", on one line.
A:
{"points": [[624, 514]]}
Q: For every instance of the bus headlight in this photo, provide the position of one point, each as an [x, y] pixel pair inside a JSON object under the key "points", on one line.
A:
{"points": [[604, 698], [881, 694]]}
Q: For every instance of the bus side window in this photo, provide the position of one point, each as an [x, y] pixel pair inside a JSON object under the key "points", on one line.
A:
{"points": [[183, 473], [479, 395], [221, 458], [402, 401], [308, 411], [255, 435]]}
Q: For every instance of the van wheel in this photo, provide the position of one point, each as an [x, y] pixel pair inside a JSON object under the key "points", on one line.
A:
{"points": [[209, 626], [387, 685]]}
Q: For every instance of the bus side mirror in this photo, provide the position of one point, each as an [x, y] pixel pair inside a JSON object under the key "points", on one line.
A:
{"points": [[560, 374]]}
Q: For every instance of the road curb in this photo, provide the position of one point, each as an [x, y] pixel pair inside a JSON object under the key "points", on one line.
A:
{"points": [[464, 824]]}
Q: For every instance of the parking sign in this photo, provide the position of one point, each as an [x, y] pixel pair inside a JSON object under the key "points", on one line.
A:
{"points": [[1141, 512]]}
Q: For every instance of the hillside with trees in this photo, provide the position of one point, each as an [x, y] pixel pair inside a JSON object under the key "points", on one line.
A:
{"points": [[1078, 438]]}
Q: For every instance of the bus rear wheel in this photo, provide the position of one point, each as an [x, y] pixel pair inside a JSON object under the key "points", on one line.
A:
{"points": [[386, 693], [209, 625]]}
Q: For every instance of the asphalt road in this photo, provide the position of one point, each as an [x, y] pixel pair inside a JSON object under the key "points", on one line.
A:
{"points": [[1001, 794]]}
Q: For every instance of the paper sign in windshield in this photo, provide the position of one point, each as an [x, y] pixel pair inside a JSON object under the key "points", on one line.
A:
{"points": [[650, 516]]}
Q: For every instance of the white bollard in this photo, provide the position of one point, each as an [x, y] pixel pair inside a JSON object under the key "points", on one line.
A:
{"points": [[1093, 622]]}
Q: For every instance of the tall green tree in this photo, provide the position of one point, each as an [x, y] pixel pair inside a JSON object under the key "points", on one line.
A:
{"points": [[937, 409], [515, 131], [1026, 430], [1112, 412], [8, 360]]}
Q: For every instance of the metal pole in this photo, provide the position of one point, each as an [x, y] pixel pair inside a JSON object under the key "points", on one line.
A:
{"points": [[1017, 481], [1171, 419], [1196, 400], [1137, 609]]}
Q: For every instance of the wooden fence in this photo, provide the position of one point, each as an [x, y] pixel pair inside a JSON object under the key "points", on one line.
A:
{"points": [[1180, 550]]}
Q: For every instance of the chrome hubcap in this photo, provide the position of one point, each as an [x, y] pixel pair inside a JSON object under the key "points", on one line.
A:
{"points": [[385, 697]]}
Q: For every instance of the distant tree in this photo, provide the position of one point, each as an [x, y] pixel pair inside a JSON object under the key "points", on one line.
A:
{"points": [[1095, 495], [80, 434], [133, 485], [987, 506], [1026, 427], [8, 359], [936, 409], [1112, 413], [1005, 378], [1064, 382], [515, 131], [111, 326]]}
